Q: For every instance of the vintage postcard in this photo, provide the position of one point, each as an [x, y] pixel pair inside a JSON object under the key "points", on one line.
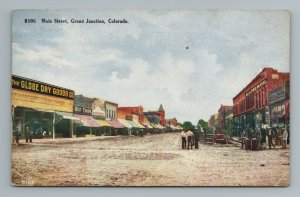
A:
{"points": [[150, 98]]}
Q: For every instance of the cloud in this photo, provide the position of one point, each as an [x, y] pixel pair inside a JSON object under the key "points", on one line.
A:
{"points": [[189, 61]]}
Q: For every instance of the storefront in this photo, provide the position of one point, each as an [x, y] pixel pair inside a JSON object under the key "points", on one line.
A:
{"points": [[251, 105], [279, 106], [40, 107], [88, 126]]}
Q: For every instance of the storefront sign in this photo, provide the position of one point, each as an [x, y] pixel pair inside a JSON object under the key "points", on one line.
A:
{"points": [[40, 101], [277, 95], [262, 83], [82, 110], [41, 88]]}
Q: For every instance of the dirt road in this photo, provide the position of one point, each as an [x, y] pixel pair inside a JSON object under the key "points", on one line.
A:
{"points": [[152, 160]]}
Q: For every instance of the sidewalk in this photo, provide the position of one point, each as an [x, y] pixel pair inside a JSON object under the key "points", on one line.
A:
{"points": [[71, 140]]}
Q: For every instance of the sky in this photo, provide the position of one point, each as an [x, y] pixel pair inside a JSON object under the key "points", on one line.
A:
{"points": [[190, 61]]}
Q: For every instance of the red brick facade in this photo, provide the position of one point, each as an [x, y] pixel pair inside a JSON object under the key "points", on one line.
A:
{"points": [[124, 112], [221, 117], [255, 95]]}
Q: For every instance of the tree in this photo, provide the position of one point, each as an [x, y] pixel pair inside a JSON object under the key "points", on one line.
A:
{"points": [[202, 123], [188, 126]]}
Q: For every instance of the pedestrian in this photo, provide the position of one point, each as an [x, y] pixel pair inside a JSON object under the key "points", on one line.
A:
{"points": [[26, 134], [17, 136], [190, 136], [284, 139], [183, 139], [197, 138], [270, 137], [277, 135], [30, 136]]}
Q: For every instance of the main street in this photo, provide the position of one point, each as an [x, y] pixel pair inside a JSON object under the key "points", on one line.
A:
{"points": [[152, 160]]}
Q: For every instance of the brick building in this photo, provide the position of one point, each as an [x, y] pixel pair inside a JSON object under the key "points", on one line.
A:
{"points": [[125, 112], [250, 105], [222, 118], [172, 121], [161, 112]]}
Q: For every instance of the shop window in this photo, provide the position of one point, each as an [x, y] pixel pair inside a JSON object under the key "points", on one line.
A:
{"points": [[18, 112], [47, 116]]}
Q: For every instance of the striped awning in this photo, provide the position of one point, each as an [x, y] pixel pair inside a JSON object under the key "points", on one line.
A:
{"points": [[115, 124], [138, 124], [66, 115], [160, 126], [125, 123], [132, 124], [148, 126], [87, 121], [173, 127], [103, 123], [157, 126], [154, 125]]}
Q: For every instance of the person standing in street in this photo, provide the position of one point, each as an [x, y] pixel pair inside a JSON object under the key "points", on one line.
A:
{"points": [[17, 136], [284, 139], [197, 138], [183, 139], [30, 136], [26, 134], [190, 136], [270, 137]]}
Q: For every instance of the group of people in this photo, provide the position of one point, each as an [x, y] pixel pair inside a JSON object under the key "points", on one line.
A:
{"points": [[189, 139], [266, 134], [28, 135], [280, 135]]}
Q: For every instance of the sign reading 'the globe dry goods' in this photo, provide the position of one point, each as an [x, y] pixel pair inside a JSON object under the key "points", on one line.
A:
{"points": [[42, 88]]}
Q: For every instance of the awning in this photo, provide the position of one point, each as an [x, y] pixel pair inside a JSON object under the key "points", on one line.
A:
{"points": [[173, 127], [87, 121], [154, 125], [44, 110], [160, 126], [125, 123], [132, 124], [66, 115], [103, 123], [179, 127], [148, 126], [115, 124], [157, 126], [139, 125], [146, 123]]}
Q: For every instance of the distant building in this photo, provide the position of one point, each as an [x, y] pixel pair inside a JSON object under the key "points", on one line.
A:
{"points": [[83, 105], [126, 112], [172, 121], [153, 117], [229, 121], [98, 108], [110, 110], [161, 112], [211, 121], [216, 120], [221, 117]]}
